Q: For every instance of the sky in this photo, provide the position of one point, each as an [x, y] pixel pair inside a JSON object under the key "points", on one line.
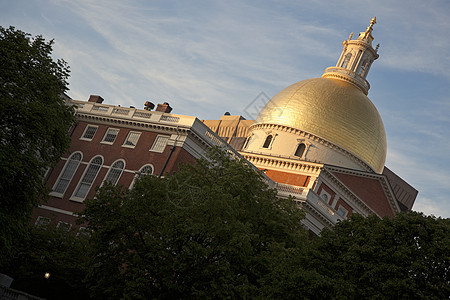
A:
{"points": [[210, 57]]}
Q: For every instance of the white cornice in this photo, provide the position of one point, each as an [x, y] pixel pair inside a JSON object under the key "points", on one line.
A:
{"points": [[390, 196], [350, 195], [281, 163], [313, 137]]}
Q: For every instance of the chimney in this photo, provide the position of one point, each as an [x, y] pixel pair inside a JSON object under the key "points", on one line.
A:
{"points": [[95, 98], [148, 105], [165, 107]]}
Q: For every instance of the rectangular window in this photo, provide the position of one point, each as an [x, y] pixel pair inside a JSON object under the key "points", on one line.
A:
{"points": [[110, 136], [132, 139], [342, 211], [42, 221], [89, 133], [83, 232], [64, 226], [160, 143]]}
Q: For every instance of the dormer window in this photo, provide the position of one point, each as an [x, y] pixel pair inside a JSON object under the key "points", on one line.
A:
{"points": [[268, 141]]}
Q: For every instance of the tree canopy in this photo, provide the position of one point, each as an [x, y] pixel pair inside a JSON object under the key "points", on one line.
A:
{"points": [[215, 230], [405, 257], [47, 249], [34, 124], [210, 230]]}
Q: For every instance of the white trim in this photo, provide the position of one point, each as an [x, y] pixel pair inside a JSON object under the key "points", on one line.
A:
{"points": [[39, 218], [64, 223], [60, 195], [128, 135], [106, 134], [137, 174], [327, 195], [159, 136], [343, 209], [110, 168], [274, 135], [84, 132], [79, 199], [66, 212]]}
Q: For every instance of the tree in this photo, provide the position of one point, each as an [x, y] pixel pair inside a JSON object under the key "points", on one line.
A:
{"points": [[406, 257], [34, 124], [53, 250], [210, 230]]}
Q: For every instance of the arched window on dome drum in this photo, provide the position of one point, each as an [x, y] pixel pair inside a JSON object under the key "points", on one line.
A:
{"points": [[247, 140], [300, 150], [346, 60], [268, 141]]}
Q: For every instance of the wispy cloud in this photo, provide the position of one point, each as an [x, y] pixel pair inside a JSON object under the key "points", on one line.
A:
{"points": [[208, 57]]}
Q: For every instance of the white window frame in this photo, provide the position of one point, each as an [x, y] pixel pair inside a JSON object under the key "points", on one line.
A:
{"points": [[63, 172], [157, 141], [42, 221], [61, 224], [342, 209], [128, 138], [85, 131], [327, 196], [75, 192], [247, 141], [139, 174], [112, 169], [83, 231], [110, 129], [274, 135]]}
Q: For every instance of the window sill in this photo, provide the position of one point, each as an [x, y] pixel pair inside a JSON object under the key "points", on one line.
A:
{"points": [[129, 146], [76, 199], [57, 195]]}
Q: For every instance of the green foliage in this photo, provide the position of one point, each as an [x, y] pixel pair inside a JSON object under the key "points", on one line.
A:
{"points": [[34, 123], [52, 250], [208, 231], [406, 257]]}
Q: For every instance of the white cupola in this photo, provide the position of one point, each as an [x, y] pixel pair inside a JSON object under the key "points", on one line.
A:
{"points": [[356, 58]]}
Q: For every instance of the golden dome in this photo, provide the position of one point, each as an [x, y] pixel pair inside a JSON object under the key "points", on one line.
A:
{"points": [[334, 110]]}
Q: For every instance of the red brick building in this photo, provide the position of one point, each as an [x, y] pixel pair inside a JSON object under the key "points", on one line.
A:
{"points": [[118, 144]]}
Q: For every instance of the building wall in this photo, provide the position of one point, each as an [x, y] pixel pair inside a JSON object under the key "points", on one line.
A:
{"points": [[62, 207]]}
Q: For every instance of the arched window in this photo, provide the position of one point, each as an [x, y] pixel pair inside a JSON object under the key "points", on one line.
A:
{"points": [[346, 60], [300, 150], [88, 178], [114, 172], [247, 140], [66, 175], [145, 170], [268, 141], [362, 68]]}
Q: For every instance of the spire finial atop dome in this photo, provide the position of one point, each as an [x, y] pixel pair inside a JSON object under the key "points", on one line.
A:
{"points": [[356, 58], [370, 28]]}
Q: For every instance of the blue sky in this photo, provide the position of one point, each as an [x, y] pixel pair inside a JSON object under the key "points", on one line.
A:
{"points": [[208, 57]]}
